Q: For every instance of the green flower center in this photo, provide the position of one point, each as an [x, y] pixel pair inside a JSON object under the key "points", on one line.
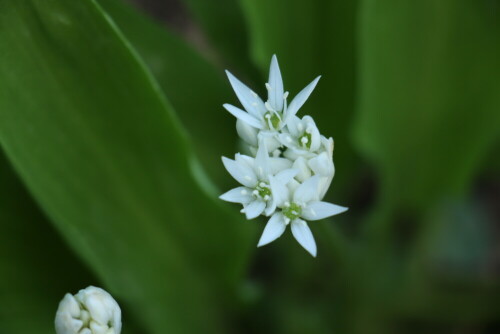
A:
{"points": [[273, 120], [305, 140], [263, 191], [292, 211]]}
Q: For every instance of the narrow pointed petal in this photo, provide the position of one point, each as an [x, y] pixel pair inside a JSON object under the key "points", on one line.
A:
{"points": [[304, 236], [241, 195], [254, 209], [240, 172], [275, 88], [279, 190], [273, 230], [320, 210], [262, 162], [294, 125], [249, 100], [307, 191], [244, 116], [244, 159], [300, 99]]}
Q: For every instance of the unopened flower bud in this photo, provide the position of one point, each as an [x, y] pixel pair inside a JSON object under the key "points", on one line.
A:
{"points": [[90, 311]]}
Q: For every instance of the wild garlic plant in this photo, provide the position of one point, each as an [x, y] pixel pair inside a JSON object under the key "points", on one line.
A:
{"points": [[290, 164]]}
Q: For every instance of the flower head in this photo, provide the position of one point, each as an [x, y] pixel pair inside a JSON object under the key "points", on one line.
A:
{"points": [[291, 167], [90, 311]]}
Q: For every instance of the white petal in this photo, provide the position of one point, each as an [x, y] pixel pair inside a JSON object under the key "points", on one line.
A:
{"points": [[320, 210], [307, 191], [273, 230], [246, 132], [293, 185], [262, 163], [244, 116], [322, 165], [241, 195], [304, 236], [254, 209], [250, 101], [244, 159], [293, 125], [300, 99], [287, 140], [276, 165], [279, 190], [304, 172], [286, 175], [240, 172], [269, 138], [97, 328], [270, 208], [275, 90]]}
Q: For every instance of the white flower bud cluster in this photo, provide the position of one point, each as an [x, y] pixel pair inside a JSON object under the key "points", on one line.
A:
{"points": [[90, 311], [290, 164]]}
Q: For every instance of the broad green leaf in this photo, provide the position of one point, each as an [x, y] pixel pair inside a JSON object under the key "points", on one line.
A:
{"points": [[100, 149], [195, 88], [429, 95], [36, 268], [223, 23], [313, 38]]}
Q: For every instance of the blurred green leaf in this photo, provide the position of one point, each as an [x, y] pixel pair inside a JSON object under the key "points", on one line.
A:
{"points": [[90, 134], [222, 21], [312, 38], [195, 87], [429, 95], [36, 268]]}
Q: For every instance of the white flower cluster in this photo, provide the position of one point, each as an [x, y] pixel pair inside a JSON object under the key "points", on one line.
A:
{"points": [[290, 166], [90, 311]]}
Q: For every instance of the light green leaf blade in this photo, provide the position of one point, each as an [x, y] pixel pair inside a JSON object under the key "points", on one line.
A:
{"points": [[88, 131], [313, 38], [429, 95], [36, 268], [195, 87]]}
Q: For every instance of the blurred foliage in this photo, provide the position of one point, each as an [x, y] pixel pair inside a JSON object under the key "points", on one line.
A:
{"points": [[195, 87], [314, 38], [36, 268], [114, 126], [435, 88]]}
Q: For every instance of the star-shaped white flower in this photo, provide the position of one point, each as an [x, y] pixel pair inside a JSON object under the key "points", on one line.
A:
{"points": [[303, 137], [254, 174], [303, 204], [274, 113]]}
